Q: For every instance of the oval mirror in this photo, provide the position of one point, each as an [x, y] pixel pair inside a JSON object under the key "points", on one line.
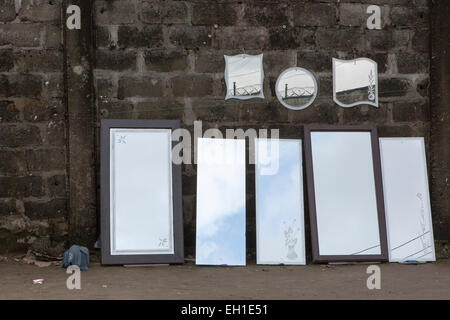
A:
{"points": [[296, 88]]}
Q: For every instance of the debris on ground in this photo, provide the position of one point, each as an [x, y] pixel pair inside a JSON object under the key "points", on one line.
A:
{"points": [[39, 260], [38, 281]]}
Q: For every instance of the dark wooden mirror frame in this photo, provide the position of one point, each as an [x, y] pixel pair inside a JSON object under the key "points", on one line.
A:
{"points": [[107, 258], [317, 258]]}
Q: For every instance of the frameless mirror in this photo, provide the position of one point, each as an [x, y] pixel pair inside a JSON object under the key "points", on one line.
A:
{"points": [[407, 200], [279, 202], [141, 221], [296, 88], [220, 202], [244, 76], [345, 194], [355, 82]]}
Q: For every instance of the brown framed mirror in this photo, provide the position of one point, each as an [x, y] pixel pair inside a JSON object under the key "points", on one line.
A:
{"points": [[345, 193], [141, 203]]}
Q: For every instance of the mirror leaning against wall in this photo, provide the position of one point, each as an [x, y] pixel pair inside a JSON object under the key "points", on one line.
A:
{"points": [[280, 230], [345, 193], [220, 222], [141, 209]]}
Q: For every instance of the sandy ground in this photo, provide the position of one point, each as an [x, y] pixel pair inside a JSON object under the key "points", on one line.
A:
{"points": [[426, 281]]}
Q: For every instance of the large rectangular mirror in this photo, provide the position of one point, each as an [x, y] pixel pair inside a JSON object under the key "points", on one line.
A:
{"points": [[280, 233], [220, 202], [407, 200], [141, 193], [345, 194]]}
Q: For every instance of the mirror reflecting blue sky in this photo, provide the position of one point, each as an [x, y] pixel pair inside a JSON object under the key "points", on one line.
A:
{"points": [[220, 202], [407, 200], [279, 203]]}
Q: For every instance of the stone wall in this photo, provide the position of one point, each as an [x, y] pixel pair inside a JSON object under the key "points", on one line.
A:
{"points": [[164, 60], [33, 200]]}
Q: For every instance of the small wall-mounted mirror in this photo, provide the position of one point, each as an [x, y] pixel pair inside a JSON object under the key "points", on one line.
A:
{"points": [[244, 76], [280, 233], [296, 88], [355, 82]]}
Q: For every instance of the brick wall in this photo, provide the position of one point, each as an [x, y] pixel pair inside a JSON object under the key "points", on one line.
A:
{"points": [[32, 127], [164, 60]]}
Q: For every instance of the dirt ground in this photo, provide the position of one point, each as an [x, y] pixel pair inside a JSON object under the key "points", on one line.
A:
{"points": [[425, 281]]}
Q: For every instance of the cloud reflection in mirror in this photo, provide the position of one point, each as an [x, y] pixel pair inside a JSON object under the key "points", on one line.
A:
{"points": [[279, 204], [221, 202]]}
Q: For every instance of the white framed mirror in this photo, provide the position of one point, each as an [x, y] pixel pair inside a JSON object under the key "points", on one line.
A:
{"points": [[280, 230], [355, 82], [345, 193], [407, 200], [220, 235], [141, 218], [296, 88], [244, 76]]}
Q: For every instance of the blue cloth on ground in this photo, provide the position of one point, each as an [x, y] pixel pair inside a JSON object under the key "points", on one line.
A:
{"points": [[78, 256]]}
